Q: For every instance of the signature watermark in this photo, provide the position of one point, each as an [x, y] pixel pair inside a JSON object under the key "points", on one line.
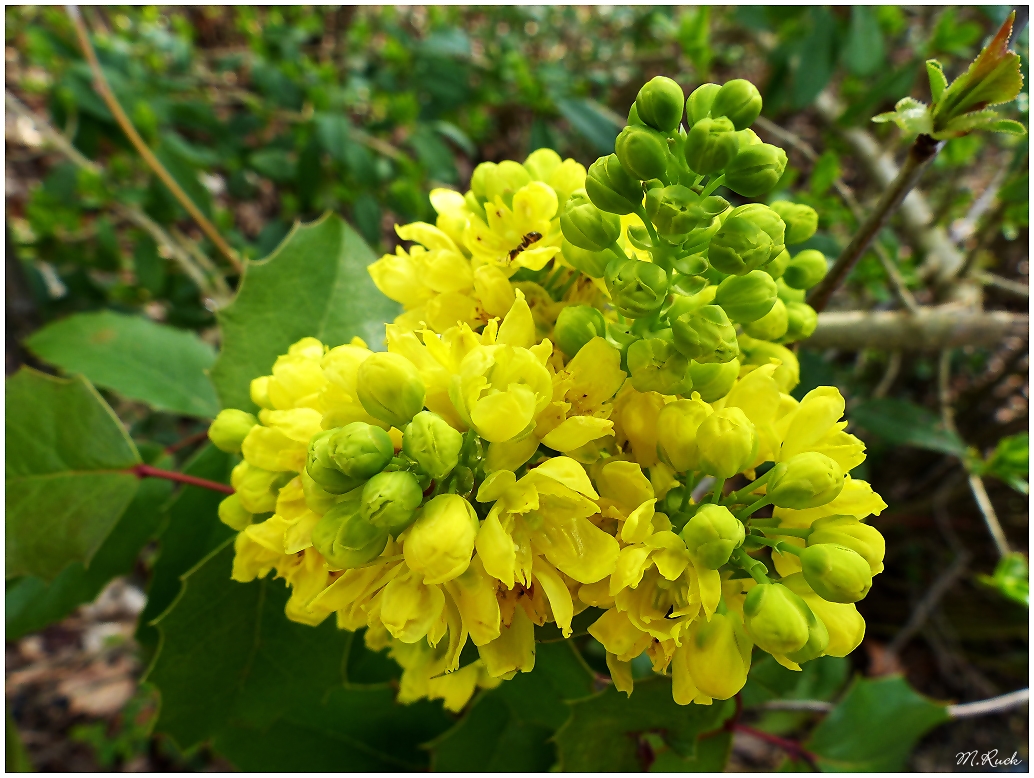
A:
{"points": [[976, 758]]}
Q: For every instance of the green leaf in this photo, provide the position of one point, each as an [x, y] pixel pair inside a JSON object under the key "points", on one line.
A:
{"points": [[910, 115], [228, 655], [603, 731], [825, 172], [67, 485], [314, 284], [938, 81], [1010, 462], [182, 169], [819, 679], [17, 758], [1011, 578], [589, 121], [864, 53], [711, 756], [275, 164], [162, 366], [875, 726], [904, 423], [509, 728]]}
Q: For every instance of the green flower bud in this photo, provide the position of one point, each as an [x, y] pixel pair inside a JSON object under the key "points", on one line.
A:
{"points": [[390, 388], [818, 638], [655, 366], [849, 532], [705, 335], [322, 469], [805, 270], [755, 169], [432, 443], [577, 325], [677, 426], [633, 117], [678, 210], [698, 104], [643, 152], [777, 266], [390, 500], [318, 499], [479, 178], [229, 429], [659, 103], [713, 380], [712, 535], [807, 480], [836, 573], [690, 266], [637, 288], [801, 220], [586, 226], [768, 220], [592, 263], [611, 188], [340, 460], [761, 352], [739, 101], [233, 514], [748, 297], [801, 321], [776, 619], [739, 247], [748, 138], [712, 144], [345, 538], [620, 338], [786, 294], [699, 240], [728, 443], [504, 180], [771, 326]]}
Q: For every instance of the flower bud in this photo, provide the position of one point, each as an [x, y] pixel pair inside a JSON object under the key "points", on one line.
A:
{"points": [[718, 655], [807, 480], [478, 179], [318, 499], [786, 294], [761, 352], [321, 467], [776, 619], [390, 388], [659, 103], [542, 163], [678, 210], [801, 220], [390, 500], [711, 145], [577, 325], [818, 638], [690, 267], [655, 366], [257, 488], [233, 514], [739, 101], [713, 380], [586, 226], [698, 104], [755, 169], [805, 270], [728, 443], [592, 263], [771, 326], [637, 288], [836, 573], [677, 426], [432, 443], [643, 152], [345, 538], [768, 220], [777, 265], [844, 623], [801, 321], [229, 429], [633, 117], [611, 188], [340, 460], [849, 532], [748, 297], [739, 247], [748, 138], [705, 335], [712, 535], [504, 180], [441, 541]]}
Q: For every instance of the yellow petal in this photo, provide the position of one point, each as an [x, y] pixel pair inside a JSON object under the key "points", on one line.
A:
{"points": [[513, 650], [578, 548], [631, 564], [620, 674], [568, 472], [518, 327], [557, 593], [575, 432], [409, 608], [639, 524], [619, 636], [474, 594], [496, 550]]}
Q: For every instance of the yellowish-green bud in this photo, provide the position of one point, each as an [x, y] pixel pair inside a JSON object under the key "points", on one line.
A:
{"points": [[818, 637], [390, 388], [728, 443], [441, 541], [677, 426], [677, 210], [739, 101], [712, 535], [659, 103], [637, 288], [776, 266], [643, 152], [739, 247], [718, 655], [655, 366], [257, 488], [592, 263], [229, 429], [698, 104], [844, 623], [390, 500], [432, 443], [849, 532], [748, 297], [541, 164], [801, 321], [772, 325], [755, 169], [706, 335], [836, 573], [612, 188], [233, 514], [768, 220], [586, 226], [577, 325], [713, 380], [801, 220], [761, 352], [503, 180], [807, 480], [776, 619], [711, 145], [318, 499], [788, 295], [340, 460], [805, 270], [345, 538]]}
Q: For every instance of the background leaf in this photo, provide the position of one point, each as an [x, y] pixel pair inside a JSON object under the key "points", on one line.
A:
{"points": [[162, 366], [904, 423], [590, 122], [314, 285], [65, 481]]}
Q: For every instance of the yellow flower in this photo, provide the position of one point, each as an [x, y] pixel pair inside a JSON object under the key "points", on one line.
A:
{"points": [[524, 235], [440, 543], [297, 379], [716, 655]]}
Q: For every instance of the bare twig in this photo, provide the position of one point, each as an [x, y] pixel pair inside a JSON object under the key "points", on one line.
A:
{"points": [[818, 706], [104, 89], [214, 273], [929, 601], [1005, 284], [967, 225], [993, 705], [930, 329], [889, 376]]}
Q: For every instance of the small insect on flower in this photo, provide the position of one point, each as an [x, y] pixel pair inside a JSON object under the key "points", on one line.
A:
{"points": [[526, 241]]}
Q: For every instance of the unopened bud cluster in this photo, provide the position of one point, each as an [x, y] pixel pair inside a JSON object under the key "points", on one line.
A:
{"points": [[585, 404]]}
